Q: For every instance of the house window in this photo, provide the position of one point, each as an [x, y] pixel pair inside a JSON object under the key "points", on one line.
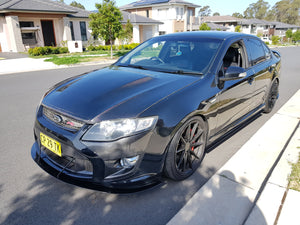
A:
{"points": [[28, 35], [147, 13], [162, 32], [72, 30], [83, 31], [190, 14], [179, 13]]}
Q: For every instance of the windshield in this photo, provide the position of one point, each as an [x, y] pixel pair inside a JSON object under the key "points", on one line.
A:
{"points": [[169, 54]]}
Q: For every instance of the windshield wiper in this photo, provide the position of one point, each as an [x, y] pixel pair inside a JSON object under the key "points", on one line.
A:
{"points": [[136, 66], [187, 72]]}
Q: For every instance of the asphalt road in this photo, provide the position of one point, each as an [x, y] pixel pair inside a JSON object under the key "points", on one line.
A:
{"points": [[30, 196]]}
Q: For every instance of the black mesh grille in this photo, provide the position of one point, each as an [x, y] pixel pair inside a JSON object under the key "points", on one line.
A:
{"points": [[75, 163]]}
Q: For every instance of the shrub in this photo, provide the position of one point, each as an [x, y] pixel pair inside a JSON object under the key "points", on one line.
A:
{"points": [[107, 47], [63, 50], [275, 40], [54, 50], [47, 50]]}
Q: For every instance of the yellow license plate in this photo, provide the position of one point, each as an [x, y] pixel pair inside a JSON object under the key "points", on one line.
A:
{"points": [[50, 144]]}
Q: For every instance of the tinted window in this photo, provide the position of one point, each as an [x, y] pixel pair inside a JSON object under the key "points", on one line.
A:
{"points": [[173, 54], [255, 51]]}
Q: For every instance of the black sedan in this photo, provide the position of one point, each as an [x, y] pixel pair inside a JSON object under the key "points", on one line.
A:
{"points": [[155, 111]]}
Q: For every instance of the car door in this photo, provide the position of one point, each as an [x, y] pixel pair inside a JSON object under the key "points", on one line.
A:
{"points": [[235, 97], [260, 60]]}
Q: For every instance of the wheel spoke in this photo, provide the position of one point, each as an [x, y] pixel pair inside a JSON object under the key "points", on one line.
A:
{"points": [[182, 138], [197, 144], [180, 160], [189, 159], [184, 161], [200, 132], [180, 150], [195, 126], [188, 132], [194, 154]]}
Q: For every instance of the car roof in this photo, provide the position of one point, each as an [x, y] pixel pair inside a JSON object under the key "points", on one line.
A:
{"points": [[209, 34]]}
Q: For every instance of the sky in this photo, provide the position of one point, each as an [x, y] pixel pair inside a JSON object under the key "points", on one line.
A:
{"points": [[224, 7]]}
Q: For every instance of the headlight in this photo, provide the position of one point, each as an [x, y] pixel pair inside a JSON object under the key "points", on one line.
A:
{"points": [[110, 130]]}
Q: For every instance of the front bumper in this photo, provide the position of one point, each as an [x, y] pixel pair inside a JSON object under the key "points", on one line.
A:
{"points": [[133, 184], [96, 165]]}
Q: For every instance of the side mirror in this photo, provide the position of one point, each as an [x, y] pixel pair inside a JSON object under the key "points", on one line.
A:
{"points": [[233, 73]]}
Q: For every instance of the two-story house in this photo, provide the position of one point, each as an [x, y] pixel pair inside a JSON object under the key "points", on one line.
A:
{"points": [[176, 15]]}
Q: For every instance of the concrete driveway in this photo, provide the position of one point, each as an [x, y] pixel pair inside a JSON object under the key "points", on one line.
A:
{"points": [[12, 55]]}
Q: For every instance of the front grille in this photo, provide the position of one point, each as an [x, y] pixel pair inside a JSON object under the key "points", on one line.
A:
{"points": [[62, 120], [75, 163]]}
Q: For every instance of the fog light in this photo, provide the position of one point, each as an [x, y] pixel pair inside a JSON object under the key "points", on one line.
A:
{"points": [[129, 162]]}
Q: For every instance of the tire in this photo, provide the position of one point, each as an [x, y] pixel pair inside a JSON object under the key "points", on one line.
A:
{"points": [[271, 97], [186, 150]]}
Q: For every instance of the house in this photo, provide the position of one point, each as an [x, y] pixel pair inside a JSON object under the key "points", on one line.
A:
{"points": [[262, 28], [255, 26], [175, 15], [229, 22], [31, 23], [143, 27], [279, 28]]}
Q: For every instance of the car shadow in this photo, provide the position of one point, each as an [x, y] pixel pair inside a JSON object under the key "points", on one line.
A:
{"points": [[47, 200]]}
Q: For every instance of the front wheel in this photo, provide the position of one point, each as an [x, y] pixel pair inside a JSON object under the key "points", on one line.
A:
{"points": [[186, 150], [272, 97]]}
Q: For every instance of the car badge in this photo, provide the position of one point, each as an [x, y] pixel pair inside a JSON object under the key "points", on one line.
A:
{"points": [[70, 123], [57, 118]]}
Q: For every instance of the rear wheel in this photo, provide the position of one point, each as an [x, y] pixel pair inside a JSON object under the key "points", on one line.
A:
{"points": [[272, 97], [186, 150]]}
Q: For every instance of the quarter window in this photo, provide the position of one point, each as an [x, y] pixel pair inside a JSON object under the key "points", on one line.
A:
{"points": [[256, 51], [267, 51]]}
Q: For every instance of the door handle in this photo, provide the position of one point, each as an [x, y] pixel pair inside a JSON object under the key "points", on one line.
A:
{"points": [[250, 80], [271, 68]]}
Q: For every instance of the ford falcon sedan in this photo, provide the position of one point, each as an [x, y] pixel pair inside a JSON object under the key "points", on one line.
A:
{"points": [[155, 112]]}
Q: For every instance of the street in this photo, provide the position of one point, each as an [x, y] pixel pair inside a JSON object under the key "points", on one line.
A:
{"points": [[31, 196]]}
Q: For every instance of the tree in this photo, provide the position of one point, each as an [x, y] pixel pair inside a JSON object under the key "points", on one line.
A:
{"points": [[216, 14], [76, 4], [204, 11], [289, 33], [287, 11], [204, 26], [257, 10], [106, 23], [237, 15], [296, 36], [271, 15], [127, 33], [238, 28]]}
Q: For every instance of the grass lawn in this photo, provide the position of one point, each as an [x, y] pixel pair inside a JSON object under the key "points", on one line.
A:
{"points": [[74, 58], [294, 178]]}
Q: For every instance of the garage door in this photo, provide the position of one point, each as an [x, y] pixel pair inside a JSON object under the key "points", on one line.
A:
{"points": [[147, 32]]}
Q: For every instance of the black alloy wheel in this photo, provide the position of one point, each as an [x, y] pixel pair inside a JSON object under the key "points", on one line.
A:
{"points": [[272, 97], [187, 149]]}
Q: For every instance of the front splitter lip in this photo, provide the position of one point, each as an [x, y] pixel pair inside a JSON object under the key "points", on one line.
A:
{"points": [[123, 186]]}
